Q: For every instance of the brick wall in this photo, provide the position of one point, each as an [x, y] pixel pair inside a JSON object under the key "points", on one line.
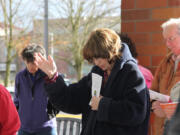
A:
{"points": [[141, 20]]}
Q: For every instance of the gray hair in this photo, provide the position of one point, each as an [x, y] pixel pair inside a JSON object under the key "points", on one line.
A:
{"points": [[29, 51], [170, 22]]}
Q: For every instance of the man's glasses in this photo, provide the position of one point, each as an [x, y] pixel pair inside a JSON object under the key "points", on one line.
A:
{"points": [[171, 39]]}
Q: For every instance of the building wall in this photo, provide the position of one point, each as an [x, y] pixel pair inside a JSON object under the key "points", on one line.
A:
{"points": [[141, 20]]}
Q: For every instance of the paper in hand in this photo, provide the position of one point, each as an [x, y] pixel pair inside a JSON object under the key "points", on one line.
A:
{"points": [[159, 97], [96, 84]]}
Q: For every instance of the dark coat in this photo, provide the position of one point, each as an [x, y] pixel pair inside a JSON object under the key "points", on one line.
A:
{"points": [[124, 108]]}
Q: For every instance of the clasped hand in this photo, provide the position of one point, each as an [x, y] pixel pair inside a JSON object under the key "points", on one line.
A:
{"points": [[157, 109], [95, 102]]}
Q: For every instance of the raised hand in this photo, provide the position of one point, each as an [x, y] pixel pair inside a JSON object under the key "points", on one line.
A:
{"points": [[48, 66]]}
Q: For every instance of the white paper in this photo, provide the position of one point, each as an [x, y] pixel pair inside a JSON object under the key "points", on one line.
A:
{"points": [[159, 97], [96, 84]]}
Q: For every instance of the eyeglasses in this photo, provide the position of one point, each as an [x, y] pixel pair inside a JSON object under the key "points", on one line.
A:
{"points": [[171, 39]]}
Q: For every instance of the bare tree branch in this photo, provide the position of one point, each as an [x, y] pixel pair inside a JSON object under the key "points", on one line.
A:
{"points": [[10, 12], [79, 18]]}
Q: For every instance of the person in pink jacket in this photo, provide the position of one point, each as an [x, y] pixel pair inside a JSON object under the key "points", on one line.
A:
{"points": [[9, 119]]}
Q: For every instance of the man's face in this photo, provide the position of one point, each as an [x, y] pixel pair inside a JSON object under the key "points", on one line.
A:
{"points": [[32, 68], [172, 39]]}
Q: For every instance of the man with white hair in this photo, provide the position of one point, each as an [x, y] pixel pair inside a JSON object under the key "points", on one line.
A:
{"points": [[168, 71]]}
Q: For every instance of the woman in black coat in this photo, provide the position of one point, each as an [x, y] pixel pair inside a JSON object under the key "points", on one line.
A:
{"points": [[123, 105]]}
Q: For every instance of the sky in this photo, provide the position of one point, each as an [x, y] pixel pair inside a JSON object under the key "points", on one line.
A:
{"points": [[34, 9]]}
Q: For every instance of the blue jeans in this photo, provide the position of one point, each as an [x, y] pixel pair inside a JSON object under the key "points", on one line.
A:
{"points": [[52, 131]]}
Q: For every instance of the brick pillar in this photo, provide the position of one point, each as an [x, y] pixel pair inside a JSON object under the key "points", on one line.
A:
{"points": [[141, 20]]}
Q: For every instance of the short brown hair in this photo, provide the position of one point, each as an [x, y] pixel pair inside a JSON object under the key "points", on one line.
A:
{"points": [[102, 43]]}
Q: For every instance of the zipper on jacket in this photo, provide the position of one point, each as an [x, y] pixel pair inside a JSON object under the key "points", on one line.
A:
{"points": [[32, 90]]}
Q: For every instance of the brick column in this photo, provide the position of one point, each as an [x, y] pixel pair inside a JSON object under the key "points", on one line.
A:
{"points": [[141, 20]]}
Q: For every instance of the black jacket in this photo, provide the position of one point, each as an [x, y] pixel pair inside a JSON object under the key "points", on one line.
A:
{"points": [[124, 108]]}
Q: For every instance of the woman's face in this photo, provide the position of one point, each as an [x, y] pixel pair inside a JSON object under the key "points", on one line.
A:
{"points": [[102, 63]]}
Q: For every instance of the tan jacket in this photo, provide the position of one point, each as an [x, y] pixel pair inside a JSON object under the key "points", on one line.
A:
{"points": [[165, 78]]}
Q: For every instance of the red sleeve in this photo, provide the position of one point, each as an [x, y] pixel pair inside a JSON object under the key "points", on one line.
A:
{"points": [[52, 80], [9, 119]]}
